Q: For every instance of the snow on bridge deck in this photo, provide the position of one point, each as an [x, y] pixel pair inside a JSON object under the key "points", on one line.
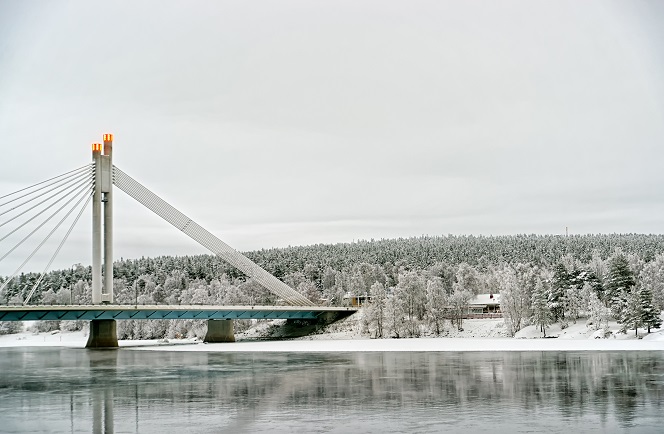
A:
{"points": [[92, 312]]}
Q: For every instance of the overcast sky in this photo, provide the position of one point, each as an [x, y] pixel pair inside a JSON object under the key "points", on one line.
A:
{"points": [[276, 123]]}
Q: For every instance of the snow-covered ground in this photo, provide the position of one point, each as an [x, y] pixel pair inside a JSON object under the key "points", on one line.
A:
{"points": [[77, 339], [478, 335]]}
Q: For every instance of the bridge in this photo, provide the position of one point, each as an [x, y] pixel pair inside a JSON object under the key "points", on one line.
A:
{"points": [[95, 183]]}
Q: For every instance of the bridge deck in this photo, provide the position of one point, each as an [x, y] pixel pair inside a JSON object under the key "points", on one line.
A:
{"points": [[90, 312]]}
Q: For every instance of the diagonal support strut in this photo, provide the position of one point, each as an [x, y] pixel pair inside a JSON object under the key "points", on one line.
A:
{"points": [[166, 211]]}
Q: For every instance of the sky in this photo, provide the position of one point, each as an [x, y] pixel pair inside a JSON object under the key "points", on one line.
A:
{"points": [[296, 122]]}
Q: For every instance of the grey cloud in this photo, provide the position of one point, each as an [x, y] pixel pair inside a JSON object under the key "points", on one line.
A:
{"points": [[292, 122]]}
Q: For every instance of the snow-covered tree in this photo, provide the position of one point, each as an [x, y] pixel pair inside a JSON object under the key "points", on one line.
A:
{"points": [[436, 304], [468, 279], [10, 327], [334, 295], [598, 269], [446, 273], [650, 315], [598, 313], [83, 292], [199, 293], [254, 293], [63, 296], [295, 279], [458, 303], [631, 315], [574, 303], [309, 290], [49, 297], [232, 296], [541, 315], [584, 298], [652, 275], [557, 297], [411, 292], [514, 301], [376, 309], [328, 279], [620, 282], [394, 316]]}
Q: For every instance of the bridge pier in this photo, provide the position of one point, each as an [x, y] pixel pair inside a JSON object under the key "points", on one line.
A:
{"points": [[103, 334], [219, 330]]}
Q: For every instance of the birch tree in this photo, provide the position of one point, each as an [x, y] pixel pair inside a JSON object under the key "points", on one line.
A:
{"points": [[436, 304], [513, 300]]}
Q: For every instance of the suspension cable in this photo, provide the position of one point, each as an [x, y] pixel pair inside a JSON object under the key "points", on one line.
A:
{"points": [[68, 191], [40, 226], [41, 277], [82, 168], [70, 180], [43, 241]]}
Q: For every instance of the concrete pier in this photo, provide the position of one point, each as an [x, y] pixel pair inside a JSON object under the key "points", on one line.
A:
{"points": [[103, 334], [219, 330]]}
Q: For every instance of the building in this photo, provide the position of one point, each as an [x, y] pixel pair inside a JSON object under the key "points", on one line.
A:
{"points": [[484, 304]]}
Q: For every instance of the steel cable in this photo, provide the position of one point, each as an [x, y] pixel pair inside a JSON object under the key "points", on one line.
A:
{"points": [[73, 173], [43, 241], [71, 180], [68, 191], [41, 225], [41, 277]]}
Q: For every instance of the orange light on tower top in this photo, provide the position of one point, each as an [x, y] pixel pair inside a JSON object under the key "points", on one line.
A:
{"points": [[108, 137], [96, 147]]}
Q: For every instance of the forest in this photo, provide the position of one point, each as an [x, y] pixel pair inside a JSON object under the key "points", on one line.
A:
{"points": [[417, 286]]}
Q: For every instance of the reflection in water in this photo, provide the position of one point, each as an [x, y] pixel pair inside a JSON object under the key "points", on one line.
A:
{"points": [[136, 391], [105, 362]]}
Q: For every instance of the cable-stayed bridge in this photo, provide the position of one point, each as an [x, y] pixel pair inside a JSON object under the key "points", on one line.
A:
{"points": [[66, 197]]}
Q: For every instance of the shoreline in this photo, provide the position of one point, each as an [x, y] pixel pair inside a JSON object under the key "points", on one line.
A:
{"points": [[439, 344], [421, 345]]}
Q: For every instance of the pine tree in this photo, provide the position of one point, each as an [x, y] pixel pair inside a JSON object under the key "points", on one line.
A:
{"points": [[539, 301], [621, 280], [562, 280], [650, 317], [573, 303], [631, 312]]}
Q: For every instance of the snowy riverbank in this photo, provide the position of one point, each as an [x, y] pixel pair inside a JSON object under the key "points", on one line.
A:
{"points": [[478, 335]]}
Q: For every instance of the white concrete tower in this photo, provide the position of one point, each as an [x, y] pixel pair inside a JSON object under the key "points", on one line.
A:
{"points": [[107, 199], [102, 291], [96, 226]]}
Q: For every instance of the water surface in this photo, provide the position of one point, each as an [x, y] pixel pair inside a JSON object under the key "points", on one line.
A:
{"points": [[77, 390]]}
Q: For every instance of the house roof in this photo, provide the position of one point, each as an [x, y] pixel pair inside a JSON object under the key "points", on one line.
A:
{"points": [[485, 300]]}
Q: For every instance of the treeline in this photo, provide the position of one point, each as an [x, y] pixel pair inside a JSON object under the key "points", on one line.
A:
{"points": [[416, 284]]}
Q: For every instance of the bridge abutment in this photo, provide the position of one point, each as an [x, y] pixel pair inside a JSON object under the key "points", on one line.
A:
{"points": [[103, 334], [219, 330]]}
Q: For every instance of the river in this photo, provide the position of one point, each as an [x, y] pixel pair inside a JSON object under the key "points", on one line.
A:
{"points": [[125, 391]]}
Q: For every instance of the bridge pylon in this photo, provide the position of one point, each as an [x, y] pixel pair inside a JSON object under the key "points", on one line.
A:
{"points": [[102, 290]]}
